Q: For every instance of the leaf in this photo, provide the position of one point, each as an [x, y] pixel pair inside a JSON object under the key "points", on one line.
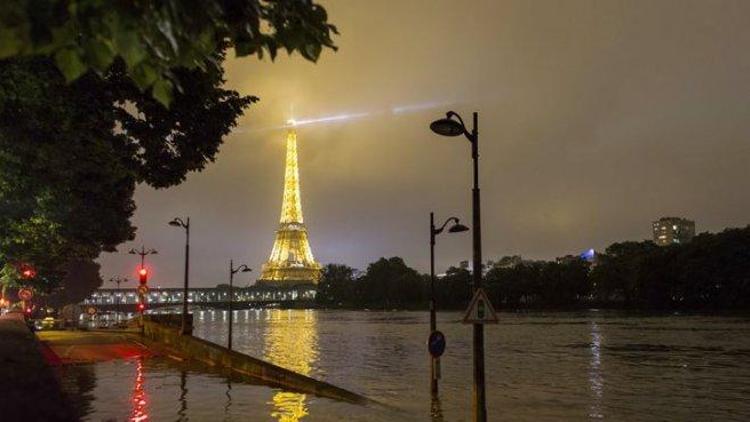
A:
{"points": [[144, 75], [130, 47], [162, 91], [70, 64], [100, 54], [244, 48], [312, 52]]}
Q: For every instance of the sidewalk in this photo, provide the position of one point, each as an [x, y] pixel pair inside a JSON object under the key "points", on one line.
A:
{"points": [[28, 388]]}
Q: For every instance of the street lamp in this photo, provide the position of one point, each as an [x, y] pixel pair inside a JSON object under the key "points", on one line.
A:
{"points": [[118, 280], [456, 227], [178, 222], [232, 271], [453, 125]]}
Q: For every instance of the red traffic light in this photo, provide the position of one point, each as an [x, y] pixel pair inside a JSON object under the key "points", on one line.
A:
{"points": [[27, 271], [143, 276], [141, 307]]}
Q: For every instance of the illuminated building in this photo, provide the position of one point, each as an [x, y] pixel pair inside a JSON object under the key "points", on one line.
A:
{"points": [[671, 230], [291, 262]]}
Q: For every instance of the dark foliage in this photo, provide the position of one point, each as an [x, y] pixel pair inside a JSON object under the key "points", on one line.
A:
{"points": [[81, 278], [710, 272], [71, 155]]}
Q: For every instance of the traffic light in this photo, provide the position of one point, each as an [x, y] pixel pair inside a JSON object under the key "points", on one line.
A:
{"points": [[141, 307], [27, 271], [143, 276]]}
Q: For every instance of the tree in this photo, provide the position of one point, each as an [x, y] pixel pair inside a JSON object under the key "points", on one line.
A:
{"points": [[564, 284], [152, 38], [453, 290], [337, 286], [88, 109], [616, 276], [390, 283], [81, 278], [71, 155]]}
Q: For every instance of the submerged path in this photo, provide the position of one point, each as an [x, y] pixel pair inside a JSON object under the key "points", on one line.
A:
{"points": [[74, 347], [91, 346], [29, 389]]}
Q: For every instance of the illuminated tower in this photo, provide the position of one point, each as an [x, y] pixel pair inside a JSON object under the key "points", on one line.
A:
{"points": [[291, 262]]}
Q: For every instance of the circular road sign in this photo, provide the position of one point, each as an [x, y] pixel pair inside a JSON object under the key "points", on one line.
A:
{"points": [[436, 344], [142, 289], [91, 311], [25, 294]]}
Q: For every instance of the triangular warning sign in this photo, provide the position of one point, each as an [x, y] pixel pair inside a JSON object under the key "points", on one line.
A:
{"points": [[480, 310]]}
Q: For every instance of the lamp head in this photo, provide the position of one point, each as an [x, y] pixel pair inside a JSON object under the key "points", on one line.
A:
{"points": [[175, 223], [458, 228], [447, 127], [246, 270]]}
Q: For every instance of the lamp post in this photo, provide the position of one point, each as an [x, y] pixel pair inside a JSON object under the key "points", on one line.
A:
{"points": [[118, 280], [453, 125], [143, 274], [143, 252], [178, 222], [457, 227], [232, 271]]}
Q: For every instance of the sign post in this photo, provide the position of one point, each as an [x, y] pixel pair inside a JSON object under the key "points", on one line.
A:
{"points": [[25, 295], [480, 310], [436, 347]]}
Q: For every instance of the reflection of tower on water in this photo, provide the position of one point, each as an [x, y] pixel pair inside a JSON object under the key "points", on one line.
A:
{"points": [[291, 341]]}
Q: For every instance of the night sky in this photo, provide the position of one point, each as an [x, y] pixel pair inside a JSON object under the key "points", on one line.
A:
{"points": [[596, 117]]}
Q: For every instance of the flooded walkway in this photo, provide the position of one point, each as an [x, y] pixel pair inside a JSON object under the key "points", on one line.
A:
{"points": [[69, 347]]}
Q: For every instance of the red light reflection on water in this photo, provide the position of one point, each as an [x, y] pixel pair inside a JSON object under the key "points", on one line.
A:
{"points": [[139, 413]]}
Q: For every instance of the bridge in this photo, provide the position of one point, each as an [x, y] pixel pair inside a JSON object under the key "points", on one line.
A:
{"points": [[126, 300]]}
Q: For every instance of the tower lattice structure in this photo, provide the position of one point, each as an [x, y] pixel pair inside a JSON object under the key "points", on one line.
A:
{"points": [[291, 261]]}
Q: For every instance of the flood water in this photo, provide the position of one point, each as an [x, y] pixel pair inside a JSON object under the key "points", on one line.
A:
{"points": [[540, 367]]}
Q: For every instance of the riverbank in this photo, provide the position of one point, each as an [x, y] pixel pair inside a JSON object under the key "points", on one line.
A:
{"points": [[28, 389]]}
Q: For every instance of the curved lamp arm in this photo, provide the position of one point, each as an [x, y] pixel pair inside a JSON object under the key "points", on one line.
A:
{"points": [[244, 268], [440, 230], [469, 135], [177, 221]]}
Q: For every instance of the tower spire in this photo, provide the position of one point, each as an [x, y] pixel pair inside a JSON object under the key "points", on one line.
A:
{"points": [[291, 206], [291, 261]]}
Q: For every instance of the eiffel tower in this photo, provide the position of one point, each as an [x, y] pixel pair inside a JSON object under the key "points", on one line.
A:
{"points": [[291, 262]]}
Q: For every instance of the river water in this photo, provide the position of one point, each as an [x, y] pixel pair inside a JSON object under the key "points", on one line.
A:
{"points": [[540, 367]]}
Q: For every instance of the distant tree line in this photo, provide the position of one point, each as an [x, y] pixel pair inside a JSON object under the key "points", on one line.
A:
{"points": [[712, 271]]}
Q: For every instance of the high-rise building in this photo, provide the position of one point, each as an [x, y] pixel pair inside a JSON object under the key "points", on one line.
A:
{"points": [[671, 230], [291, 262]]}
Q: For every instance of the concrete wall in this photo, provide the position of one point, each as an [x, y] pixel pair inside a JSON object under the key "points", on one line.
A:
{"points": [[219, 356]]}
